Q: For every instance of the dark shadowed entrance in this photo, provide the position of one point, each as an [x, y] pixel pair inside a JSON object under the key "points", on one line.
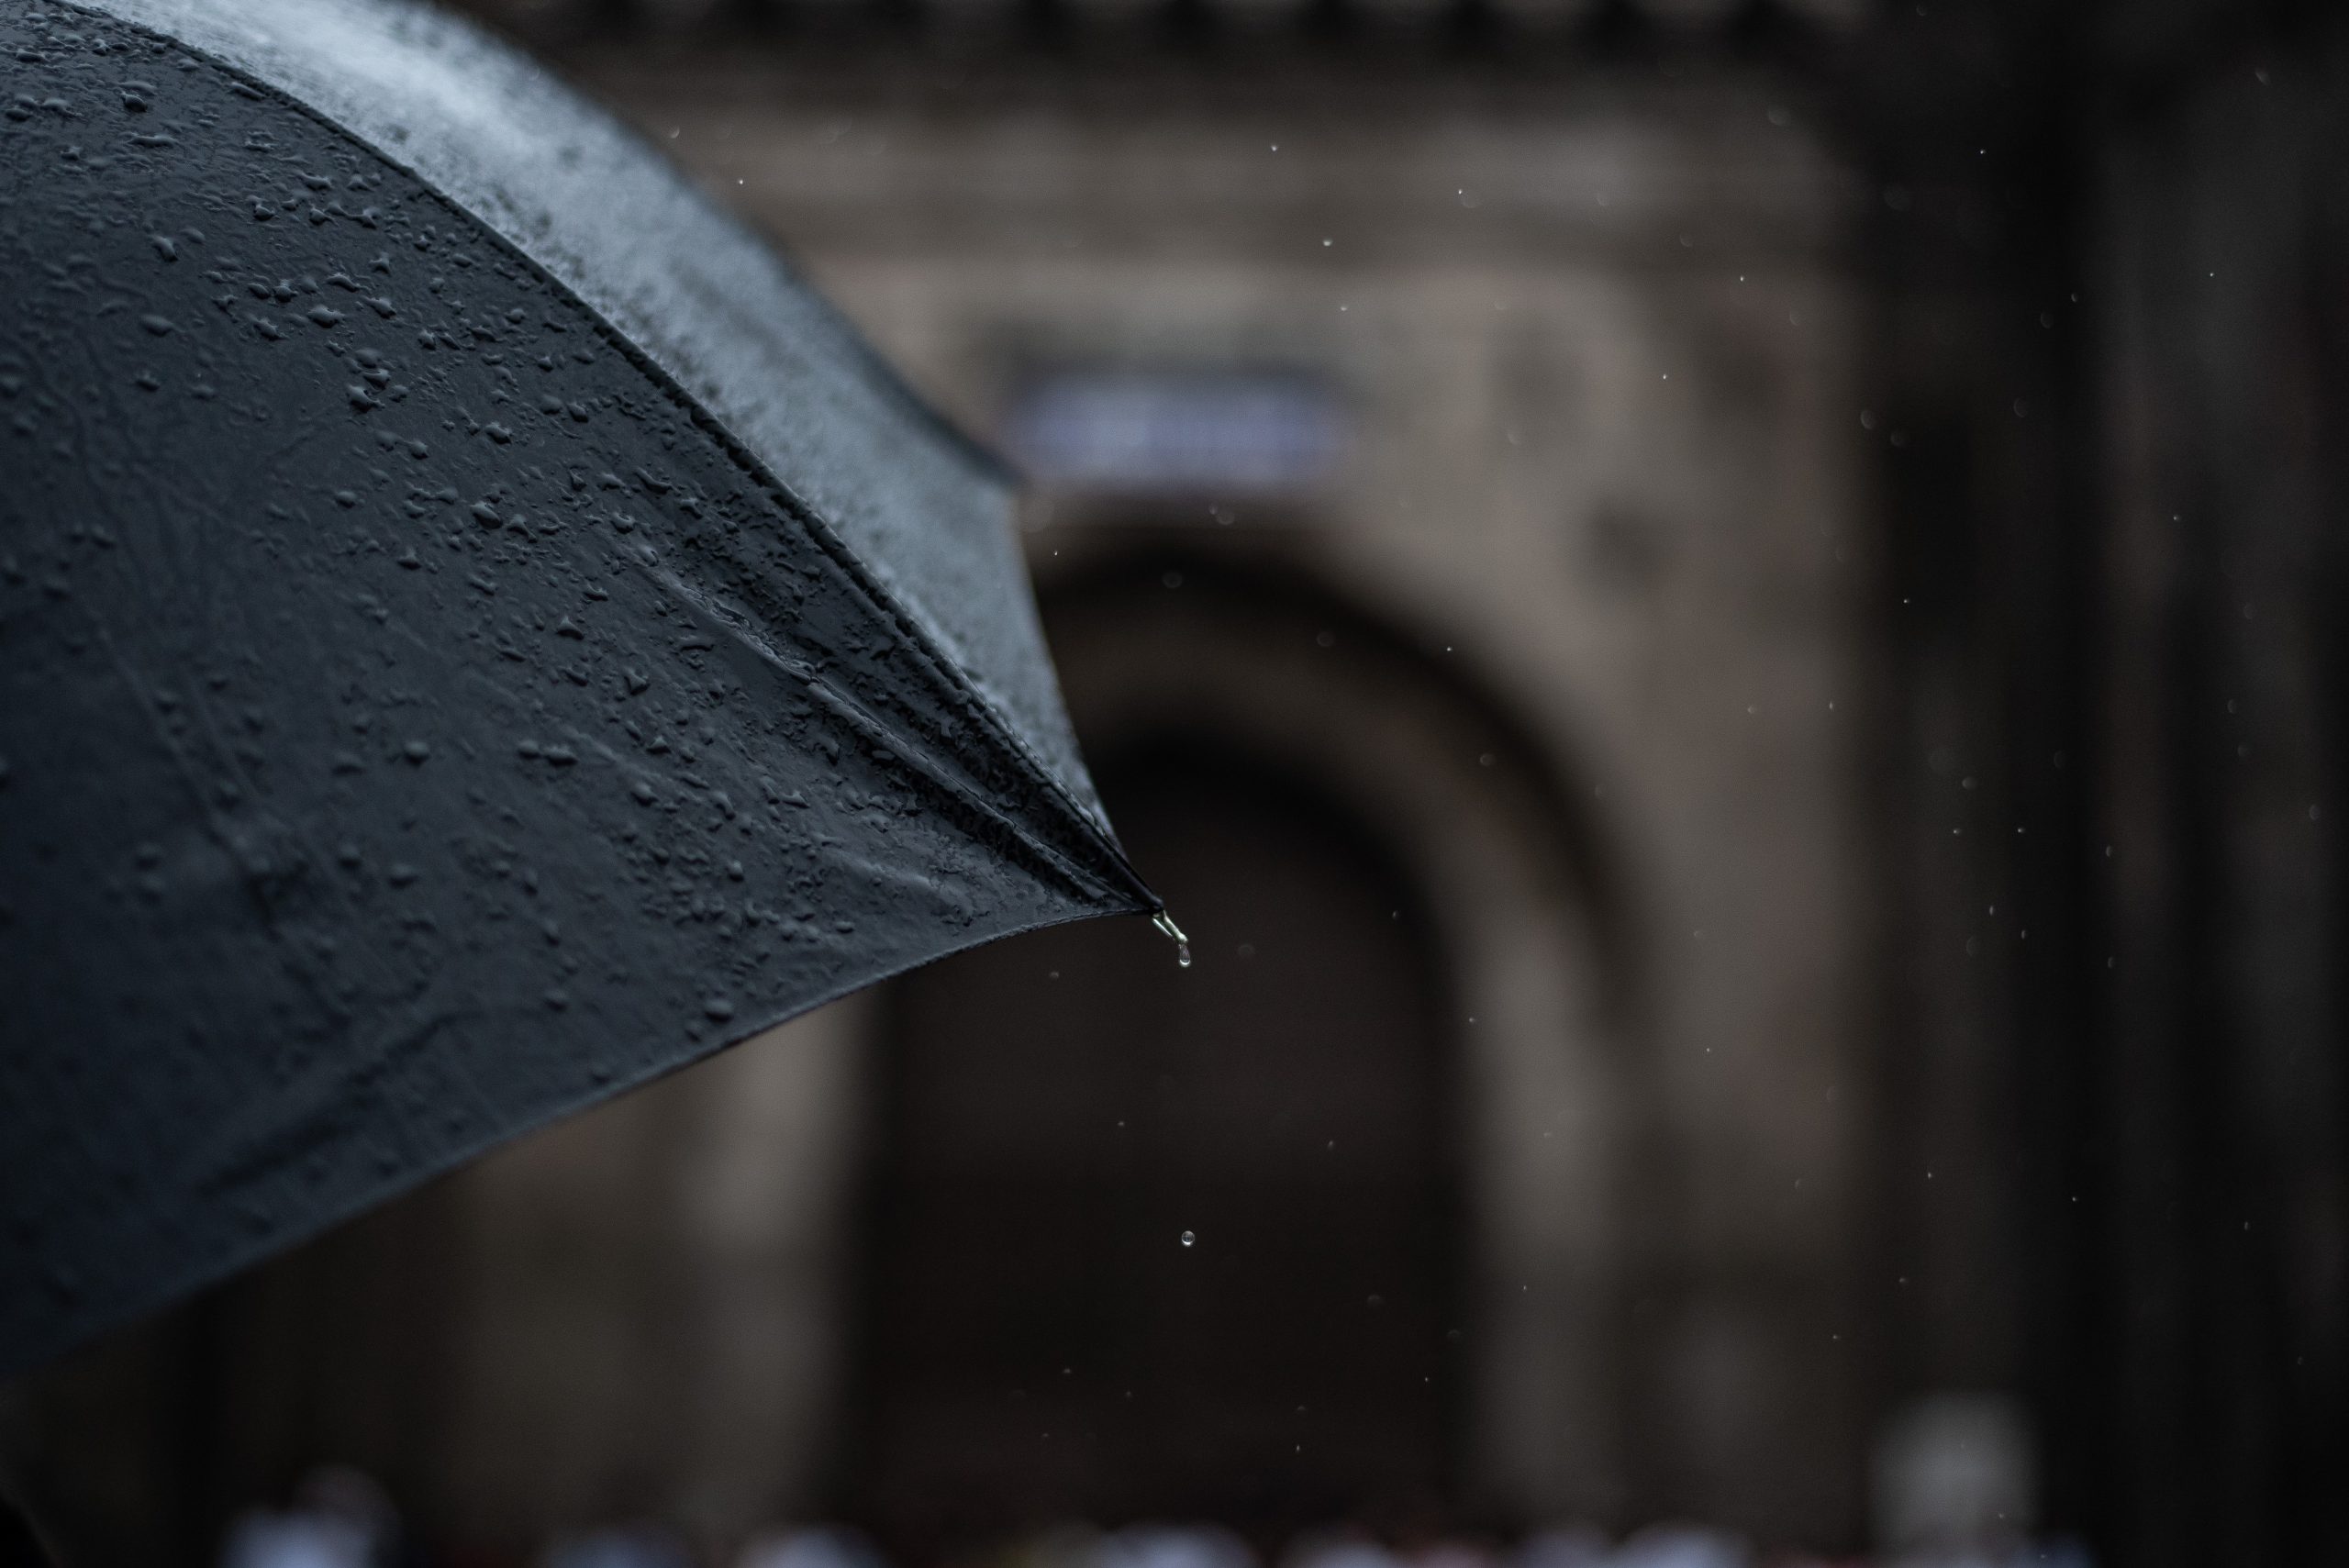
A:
{"points": [[1060, 1110]]}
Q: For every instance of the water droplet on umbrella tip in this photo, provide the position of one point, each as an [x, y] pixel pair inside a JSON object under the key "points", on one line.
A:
{"points": [[1189, 1239], [1174, 933]]}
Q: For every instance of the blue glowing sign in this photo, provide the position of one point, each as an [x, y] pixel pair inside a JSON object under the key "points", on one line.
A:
{"points": [[1183, 430]]}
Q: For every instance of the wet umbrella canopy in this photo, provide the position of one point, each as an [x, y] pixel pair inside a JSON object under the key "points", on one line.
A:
{"points": [[474, 634]]}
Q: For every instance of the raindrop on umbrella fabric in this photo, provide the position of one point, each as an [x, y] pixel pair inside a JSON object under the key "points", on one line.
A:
{"points": [[1189, 1239]]}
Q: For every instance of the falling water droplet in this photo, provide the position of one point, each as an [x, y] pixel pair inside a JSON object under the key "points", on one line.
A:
{"points": [[1189, 1239]]}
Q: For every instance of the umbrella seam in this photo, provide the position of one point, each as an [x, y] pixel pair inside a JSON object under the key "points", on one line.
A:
{"points": [[875, 727]]}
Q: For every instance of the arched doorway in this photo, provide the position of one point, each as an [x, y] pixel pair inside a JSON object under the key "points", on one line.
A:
{"points": [[1162, 1243]]}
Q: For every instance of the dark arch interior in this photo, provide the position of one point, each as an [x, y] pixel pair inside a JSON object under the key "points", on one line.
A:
{"points": [[1059, 1110]]}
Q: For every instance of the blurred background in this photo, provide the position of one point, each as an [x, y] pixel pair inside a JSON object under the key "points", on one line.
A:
{"points": [[1725, 620]]}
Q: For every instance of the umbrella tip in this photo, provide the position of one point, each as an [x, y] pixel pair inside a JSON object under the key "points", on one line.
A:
{"points": [[1174, 933]]}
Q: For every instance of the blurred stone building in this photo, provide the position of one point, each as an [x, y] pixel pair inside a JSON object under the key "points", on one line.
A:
{"points": [[1611, 562], [1460, 454]]}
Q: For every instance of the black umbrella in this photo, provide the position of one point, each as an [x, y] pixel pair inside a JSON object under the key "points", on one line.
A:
{"points": [[475, 633]]}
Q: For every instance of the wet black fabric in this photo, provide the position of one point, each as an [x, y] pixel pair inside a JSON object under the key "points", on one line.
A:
{"points": [[422, 714]]}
